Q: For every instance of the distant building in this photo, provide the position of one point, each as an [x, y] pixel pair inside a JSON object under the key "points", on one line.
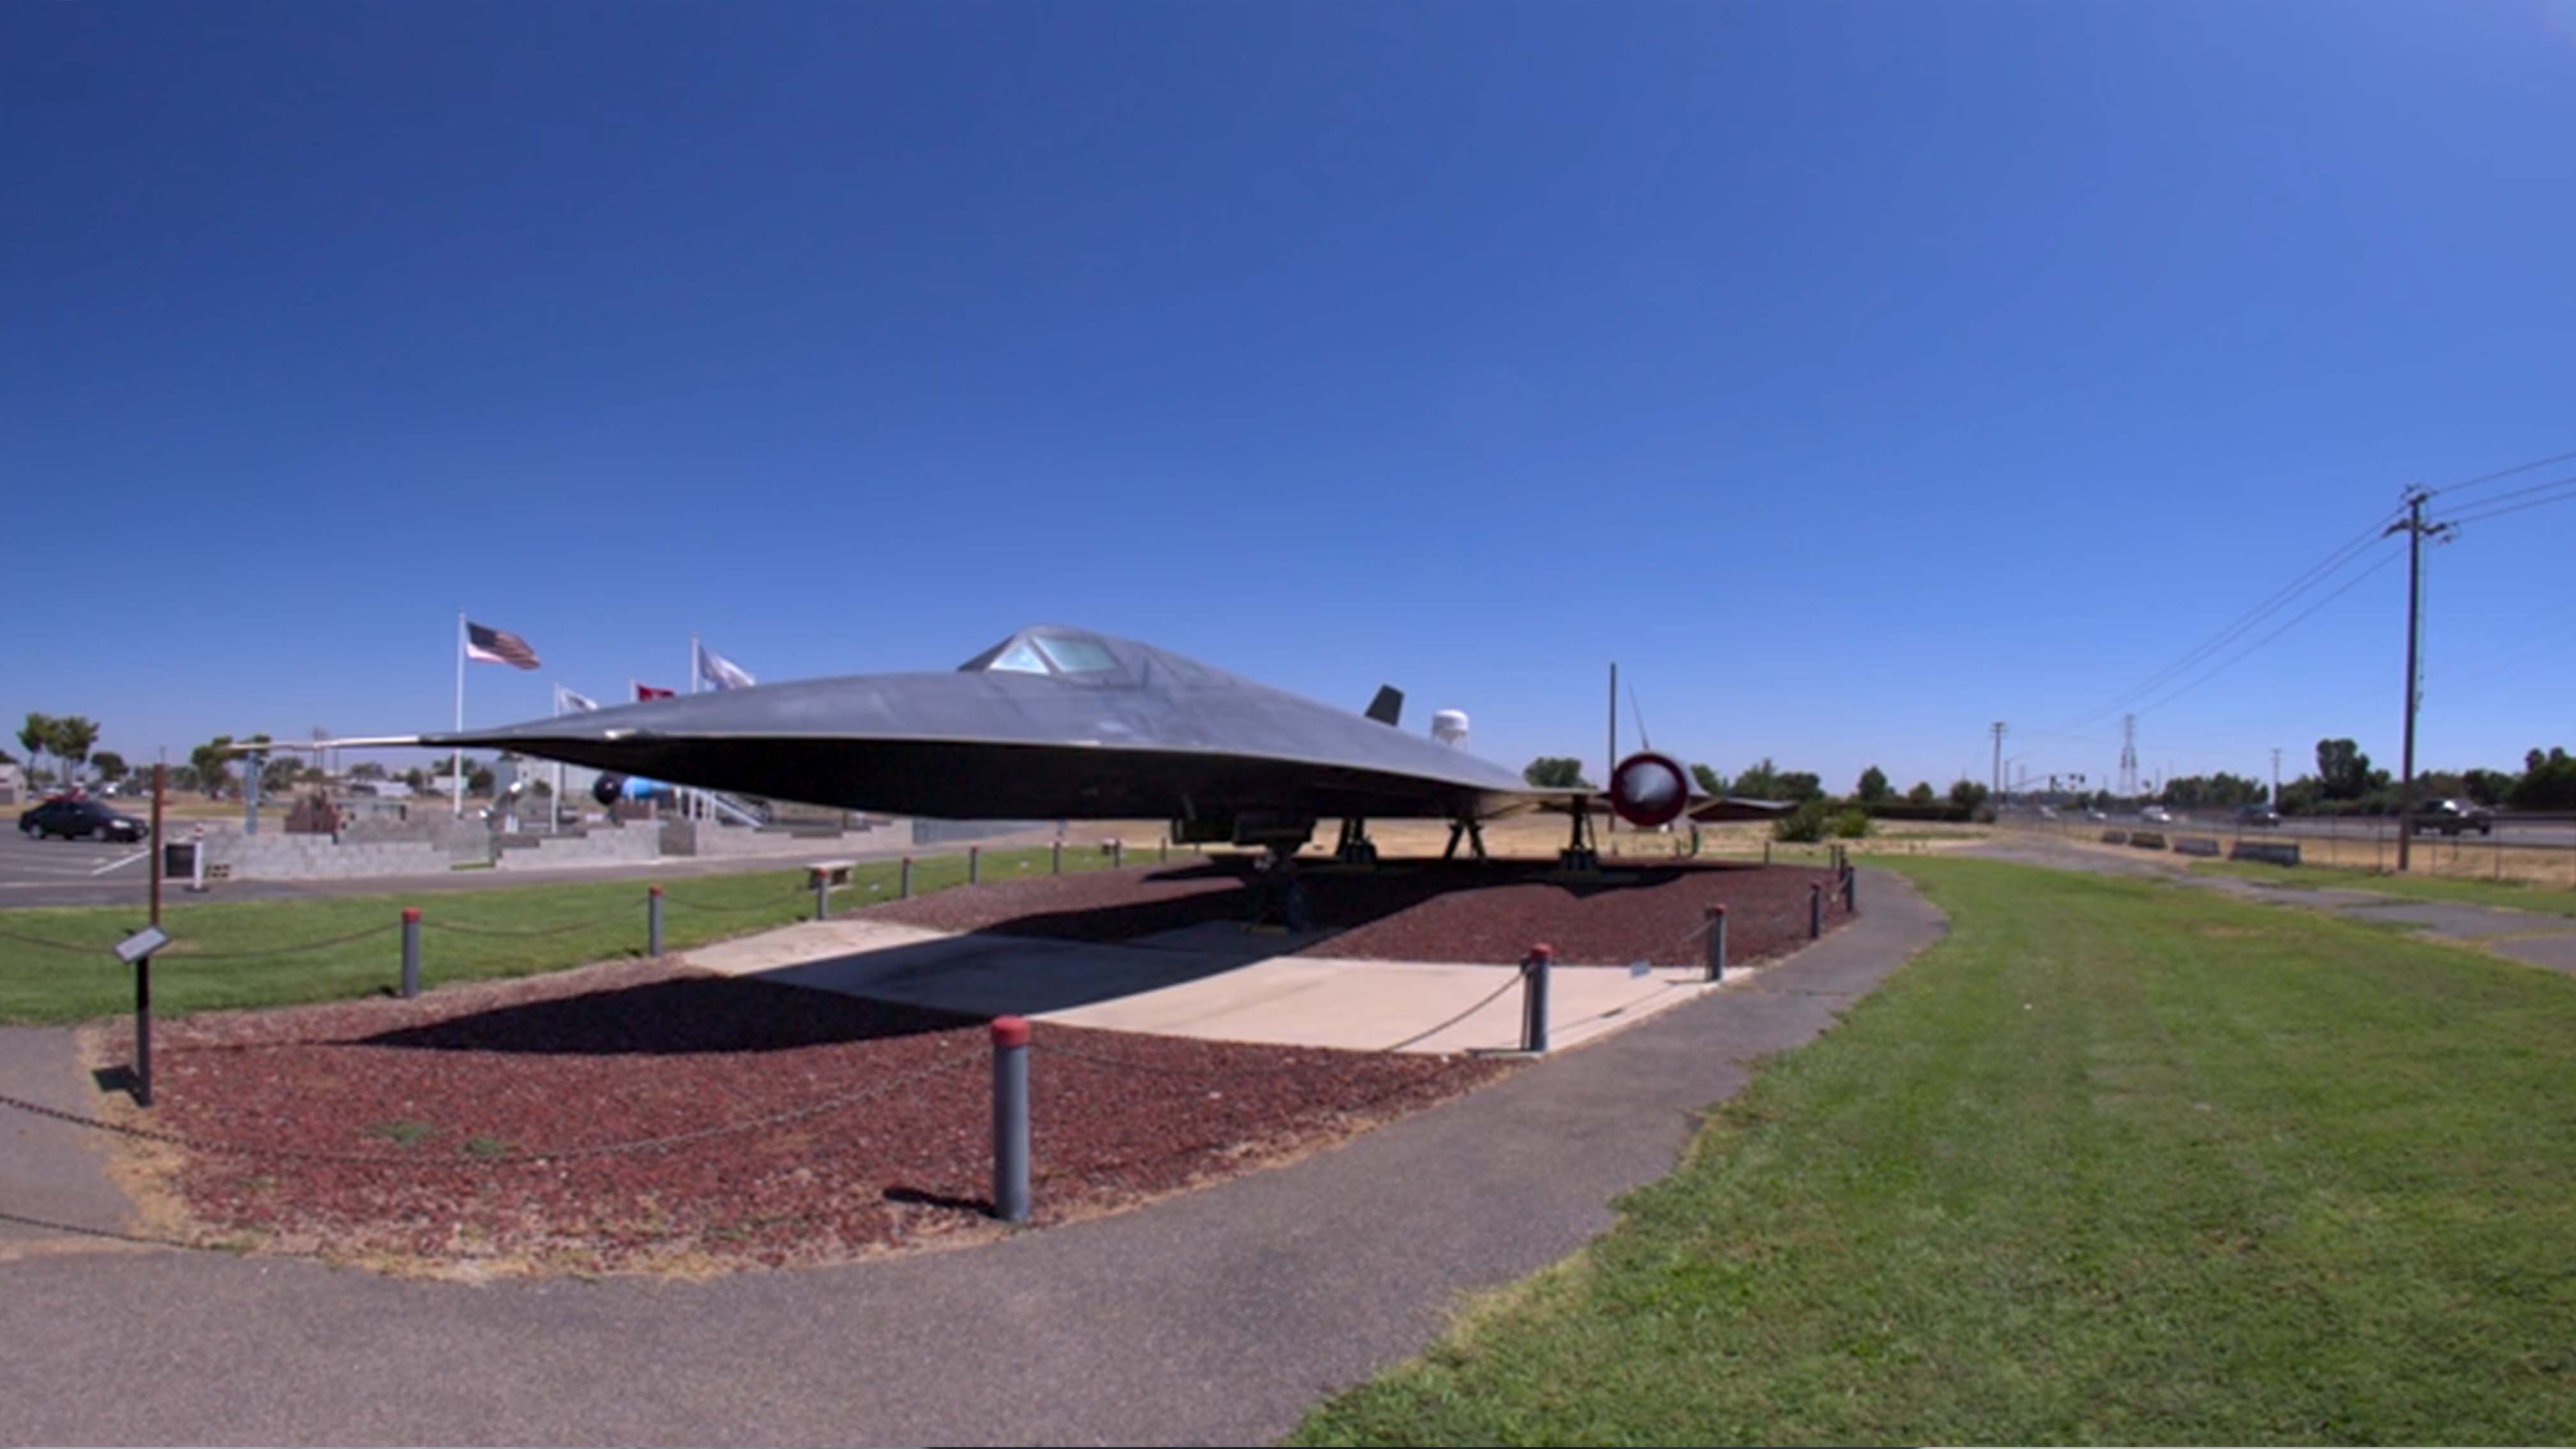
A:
{"points": [[13, 782]]}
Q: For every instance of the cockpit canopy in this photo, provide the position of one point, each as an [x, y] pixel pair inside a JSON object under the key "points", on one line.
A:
{"points": [[1048, 651]]}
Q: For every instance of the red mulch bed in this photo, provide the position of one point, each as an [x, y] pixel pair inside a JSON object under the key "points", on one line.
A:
{"points": [[481, 1099], [1418, 910]]}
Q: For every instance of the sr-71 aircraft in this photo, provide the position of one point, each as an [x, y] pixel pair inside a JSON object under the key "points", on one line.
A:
{"points": [[1066, 724]]}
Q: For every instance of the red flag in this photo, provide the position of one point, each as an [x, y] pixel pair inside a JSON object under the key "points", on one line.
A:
{"points": [[645, 691]]}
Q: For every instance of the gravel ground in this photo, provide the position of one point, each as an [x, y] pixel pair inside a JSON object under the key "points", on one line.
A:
{"points": [[479, 1129], [643, 1116], [1417, 910]]}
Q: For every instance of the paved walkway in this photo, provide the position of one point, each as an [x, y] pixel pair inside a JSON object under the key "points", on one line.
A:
{"points": [[2530, 937], [50, 1172], [1220, 1315]]}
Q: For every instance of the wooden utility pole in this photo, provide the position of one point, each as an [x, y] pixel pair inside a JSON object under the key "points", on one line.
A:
{"points": [[2416, 531]]}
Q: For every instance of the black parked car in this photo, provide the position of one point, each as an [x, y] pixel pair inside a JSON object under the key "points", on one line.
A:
{"points": [[2257, 815], [74, 819]]}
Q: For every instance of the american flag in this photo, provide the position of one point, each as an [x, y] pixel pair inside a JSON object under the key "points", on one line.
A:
{"points": [[498, 646]]}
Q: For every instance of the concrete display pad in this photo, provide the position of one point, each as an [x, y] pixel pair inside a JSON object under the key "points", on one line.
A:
{"points": [[1216, 981]]}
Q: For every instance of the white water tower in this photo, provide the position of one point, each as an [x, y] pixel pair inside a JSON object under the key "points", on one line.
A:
{"points": [[1449, 727]]}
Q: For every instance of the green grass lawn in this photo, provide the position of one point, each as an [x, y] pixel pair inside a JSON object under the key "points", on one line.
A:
{"points": [[2510, 894], [2114, 1161], [261, 953]]}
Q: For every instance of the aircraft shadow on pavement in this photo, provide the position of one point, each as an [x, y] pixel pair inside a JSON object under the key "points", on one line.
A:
{"points": [[1037, 962]]}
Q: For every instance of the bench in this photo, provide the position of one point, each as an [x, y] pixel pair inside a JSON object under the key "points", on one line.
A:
{"points": [[2272, 852], [2195, 845]]}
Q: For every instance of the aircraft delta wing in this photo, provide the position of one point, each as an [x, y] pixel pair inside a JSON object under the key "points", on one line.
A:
{"points": [[1066, 724]]}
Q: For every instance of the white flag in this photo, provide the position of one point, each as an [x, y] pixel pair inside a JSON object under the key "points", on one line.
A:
{"points": [[717, 672], [569, 702]]}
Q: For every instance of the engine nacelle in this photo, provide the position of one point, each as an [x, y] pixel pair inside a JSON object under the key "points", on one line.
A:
{"points": [[1649, 790]]}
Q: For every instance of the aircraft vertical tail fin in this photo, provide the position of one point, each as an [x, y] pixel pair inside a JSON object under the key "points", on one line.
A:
{"points": [[1388, 705]]}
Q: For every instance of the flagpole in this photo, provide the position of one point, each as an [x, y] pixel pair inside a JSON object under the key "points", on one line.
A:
{"points": [[689, 801], [554, 816], [456, 761]]}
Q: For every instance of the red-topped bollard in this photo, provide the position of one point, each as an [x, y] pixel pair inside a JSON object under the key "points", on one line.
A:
{"points": [[653, 920], [411, 952], [1715, 942], [1534, 998], [1011, 1119]]}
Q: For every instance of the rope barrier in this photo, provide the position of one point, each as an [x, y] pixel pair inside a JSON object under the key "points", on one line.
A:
{"points": [[794, 895], [501, 1159], [181, 947], [620, 914], [53, 945], [1488, 1000]]}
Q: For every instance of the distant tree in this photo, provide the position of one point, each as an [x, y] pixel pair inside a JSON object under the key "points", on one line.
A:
{"points": [[1767, 781], [36, 736], [478, 779], [72, 737], [2343, 771], [2489, 787], [1873, 785], [1709, 781], [2221, 791], [1556, 772], [183, 778], [213, 766], [1968, 795], [416, 777], [2548, 781], [278, 776], [109, 764], [366, 770], [1921, 794]]}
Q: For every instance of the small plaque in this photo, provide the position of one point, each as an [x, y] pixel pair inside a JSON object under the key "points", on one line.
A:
{"points": [[141, 944], [1639, 968]]}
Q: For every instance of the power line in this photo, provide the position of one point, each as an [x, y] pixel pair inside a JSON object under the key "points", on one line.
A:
{"points": [[2487, 513], [2500, 473], [2279, 599], [2348, 586]]}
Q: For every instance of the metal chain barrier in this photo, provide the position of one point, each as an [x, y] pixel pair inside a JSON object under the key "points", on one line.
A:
{"points": [[503, 1159]]}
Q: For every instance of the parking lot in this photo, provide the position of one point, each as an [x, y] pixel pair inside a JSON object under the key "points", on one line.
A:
{"points": [[68, 872]]}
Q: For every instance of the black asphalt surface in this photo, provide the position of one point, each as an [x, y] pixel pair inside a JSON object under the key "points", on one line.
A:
{"points": [[1218, 1316], [84, 873]]}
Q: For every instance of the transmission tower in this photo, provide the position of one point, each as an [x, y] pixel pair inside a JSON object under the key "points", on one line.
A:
{"points": [[2129, 756]]}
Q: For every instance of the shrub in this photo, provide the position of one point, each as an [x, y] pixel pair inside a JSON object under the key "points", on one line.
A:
{"points": [[1806, 823], [1852, 824]]}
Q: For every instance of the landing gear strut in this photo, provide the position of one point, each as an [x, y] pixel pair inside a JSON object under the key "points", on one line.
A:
{"points": [[1579, 852], [1277, 893], [1472, 831], [1354, 847]]}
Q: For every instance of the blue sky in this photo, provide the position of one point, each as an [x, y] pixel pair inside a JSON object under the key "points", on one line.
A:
{"points": [[1855, 376]]}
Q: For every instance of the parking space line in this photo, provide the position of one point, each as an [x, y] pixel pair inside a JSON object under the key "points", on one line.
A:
{"points": [[121, 862]]}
